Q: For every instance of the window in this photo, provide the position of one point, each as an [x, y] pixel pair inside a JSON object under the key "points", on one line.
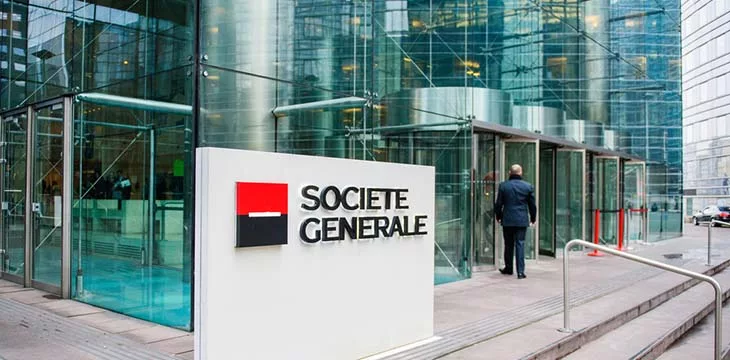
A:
{"points": [[313, 27]]}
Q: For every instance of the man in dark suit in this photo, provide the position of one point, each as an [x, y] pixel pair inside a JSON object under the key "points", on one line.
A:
{"points": [[515, 210]]}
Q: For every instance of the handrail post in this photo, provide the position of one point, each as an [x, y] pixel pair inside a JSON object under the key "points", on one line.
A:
{"points": [[645, 261], [709, 242], [566, 291]]}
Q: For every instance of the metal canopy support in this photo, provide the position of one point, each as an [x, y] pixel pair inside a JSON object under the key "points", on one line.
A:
{"points": [[151, 208], [133, 103], [340, 103]]}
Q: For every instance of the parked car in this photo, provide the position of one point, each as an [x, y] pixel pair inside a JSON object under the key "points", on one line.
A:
{"points": [[712, 212]]}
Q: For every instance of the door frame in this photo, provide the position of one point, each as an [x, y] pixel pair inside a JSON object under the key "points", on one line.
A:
{"points": [[554, 154], [502, 163], [584, 189], [66, 193], [476, 192], [619, 191]]}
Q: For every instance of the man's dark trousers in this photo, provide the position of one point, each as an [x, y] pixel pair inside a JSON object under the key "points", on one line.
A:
{"points": [[514, 239]]}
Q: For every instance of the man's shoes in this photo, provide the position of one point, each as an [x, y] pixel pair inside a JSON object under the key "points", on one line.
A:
{"points": [[521, 276], [505, 272]]}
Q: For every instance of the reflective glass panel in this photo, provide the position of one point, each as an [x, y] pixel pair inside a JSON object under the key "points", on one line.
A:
{"points": [[607, 201], [132, 214], [485, 192], [48, 194], [13, 194], [547, 206], [569, 197]]}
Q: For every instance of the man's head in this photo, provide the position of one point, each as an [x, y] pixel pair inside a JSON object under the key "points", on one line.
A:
{"points": [[515, 169]]}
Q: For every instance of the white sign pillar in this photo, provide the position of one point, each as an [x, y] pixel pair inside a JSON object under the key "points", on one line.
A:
{"points": [[300, 257]]}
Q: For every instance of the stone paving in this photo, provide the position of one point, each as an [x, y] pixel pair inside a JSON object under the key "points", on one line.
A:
{"points": [[34, 325], [457, 306]]}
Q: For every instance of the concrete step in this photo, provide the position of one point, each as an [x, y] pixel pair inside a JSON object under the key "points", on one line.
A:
{"points": [[696, 343], [649, 335], [541, 340]]}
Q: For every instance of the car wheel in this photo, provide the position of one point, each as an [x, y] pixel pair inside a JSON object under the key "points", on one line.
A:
{"points": [[696, 221]]}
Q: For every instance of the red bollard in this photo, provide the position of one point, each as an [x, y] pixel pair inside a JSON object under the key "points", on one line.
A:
{"points": [[596, 232], [621, 230]]}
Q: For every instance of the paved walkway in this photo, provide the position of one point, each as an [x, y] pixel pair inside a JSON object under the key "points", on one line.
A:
{"points": [[35, 325]]}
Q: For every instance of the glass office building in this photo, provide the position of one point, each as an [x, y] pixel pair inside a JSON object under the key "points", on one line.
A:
{"points": [[706, 87], [104, 102]]}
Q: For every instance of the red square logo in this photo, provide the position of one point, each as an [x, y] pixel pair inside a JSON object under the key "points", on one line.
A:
{"points": [[261, 214]]}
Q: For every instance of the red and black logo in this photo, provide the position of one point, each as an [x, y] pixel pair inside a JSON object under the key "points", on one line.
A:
{"points": [[261, 214]]}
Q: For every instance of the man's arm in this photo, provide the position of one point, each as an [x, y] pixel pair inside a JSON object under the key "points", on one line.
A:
{"points": [[531, 205], [499, 204]]}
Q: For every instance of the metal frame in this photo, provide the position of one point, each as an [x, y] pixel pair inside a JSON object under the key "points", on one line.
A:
{"points": [[3, 161], [29, 220], [67, 211], [67, 192], [677, 270], [503, 153]]}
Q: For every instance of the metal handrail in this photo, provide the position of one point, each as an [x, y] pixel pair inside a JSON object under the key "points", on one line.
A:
{"points": [[645, 261], [709, 238]]}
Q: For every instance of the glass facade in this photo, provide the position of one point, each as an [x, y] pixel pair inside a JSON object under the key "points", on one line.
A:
{"points": [[706, 120], [131, 200], [468, 86]]}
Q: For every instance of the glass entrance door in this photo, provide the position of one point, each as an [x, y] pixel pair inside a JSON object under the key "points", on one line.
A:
{"points": [[606, 197], [485, 192], [525, 153], [569, 196], [47, 196], [547, 207], [634, 201], [13, 137]]}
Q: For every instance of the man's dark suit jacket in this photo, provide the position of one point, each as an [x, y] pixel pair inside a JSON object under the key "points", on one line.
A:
{"points": [[515, 204]]}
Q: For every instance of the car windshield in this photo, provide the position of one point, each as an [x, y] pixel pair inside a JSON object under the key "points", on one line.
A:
{"points": [[724, 208]]}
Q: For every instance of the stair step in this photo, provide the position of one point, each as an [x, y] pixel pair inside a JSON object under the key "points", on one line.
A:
{"points": [[649, 335], [541, 340], [696, 343]]}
